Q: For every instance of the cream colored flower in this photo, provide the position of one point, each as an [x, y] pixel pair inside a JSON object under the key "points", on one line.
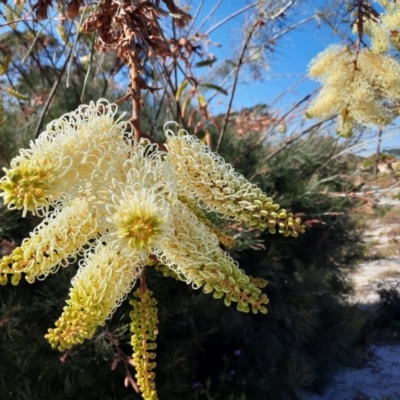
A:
{"points": [[358, 88], [193, 252], [78, 147], [101, 284], [205, 178], [120, 205], [379, 39], [56, 242], [390, 19]]}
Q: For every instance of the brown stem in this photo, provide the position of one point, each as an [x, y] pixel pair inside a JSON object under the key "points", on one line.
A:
{"points": [[135, 69], [143, 286], [119, 355]]}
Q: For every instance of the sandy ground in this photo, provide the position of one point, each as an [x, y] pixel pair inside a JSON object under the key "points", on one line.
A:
{"points": [[379, 377]]}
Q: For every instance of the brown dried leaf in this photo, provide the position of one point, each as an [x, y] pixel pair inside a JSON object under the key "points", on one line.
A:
{"points": [[198, 127], [41, 8], [192, 117], [73, 8]]}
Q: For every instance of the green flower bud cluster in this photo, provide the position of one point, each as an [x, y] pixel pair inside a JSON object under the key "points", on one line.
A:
{"points": [[258, 282], [168, 272], [9, 266], [231, 283], [74, 326], [144, 332]]}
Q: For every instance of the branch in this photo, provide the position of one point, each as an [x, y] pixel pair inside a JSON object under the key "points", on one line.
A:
{"points": [[229, 17], [257, 23], [292, 139], [51, 95], [241, 58], [199, 7]]}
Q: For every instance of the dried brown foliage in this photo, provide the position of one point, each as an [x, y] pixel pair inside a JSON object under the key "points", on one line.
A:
{"points": [[131, 30], [249, 121]]}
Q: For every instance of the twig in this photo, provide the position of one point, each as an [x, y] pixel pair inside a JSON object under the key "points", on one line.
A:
{"points": [[74, 44], [119, 355], [160, 105], [15, 21], [229, 17], [209, 15], [290, 28], [51, 95], [287, 142], [199, 7], [378, 153], [240, 62], [37, 37], [89, 69], [349, 149], [256, 24]]}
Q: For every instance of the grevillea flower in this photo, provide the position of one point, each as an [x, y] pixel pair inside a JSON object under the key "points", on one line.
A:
{"points": [[78, 147], [121, 205], [56, 242], [204, 177], [360, 86], [101, 284]]}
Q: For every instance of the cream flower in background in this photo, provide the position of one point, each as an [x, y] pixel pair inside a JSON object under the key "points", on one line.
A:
{"points": [[360, 86]]}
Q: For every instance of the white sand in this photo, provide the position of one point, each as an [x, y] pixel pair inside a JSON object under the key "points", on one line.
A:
{"points": [[379, 377]]}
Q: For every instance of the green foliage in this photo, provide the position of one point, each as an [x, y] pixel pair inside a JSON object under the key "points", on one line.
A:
{"points": [[389, 307], [393, 152]]}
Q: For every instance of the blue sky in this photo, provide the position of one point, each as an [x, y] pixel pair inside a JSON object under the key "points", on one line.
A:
{"points": [[288, 63]]}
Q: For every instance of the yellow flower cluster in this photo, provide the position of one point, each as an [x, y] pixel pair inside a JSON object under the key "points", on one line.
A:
{"points": [[103, 281], [121, 205], [359, 87], [75, 149], [144, 332], [55, 242], [204, 177], [196, 258]]}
